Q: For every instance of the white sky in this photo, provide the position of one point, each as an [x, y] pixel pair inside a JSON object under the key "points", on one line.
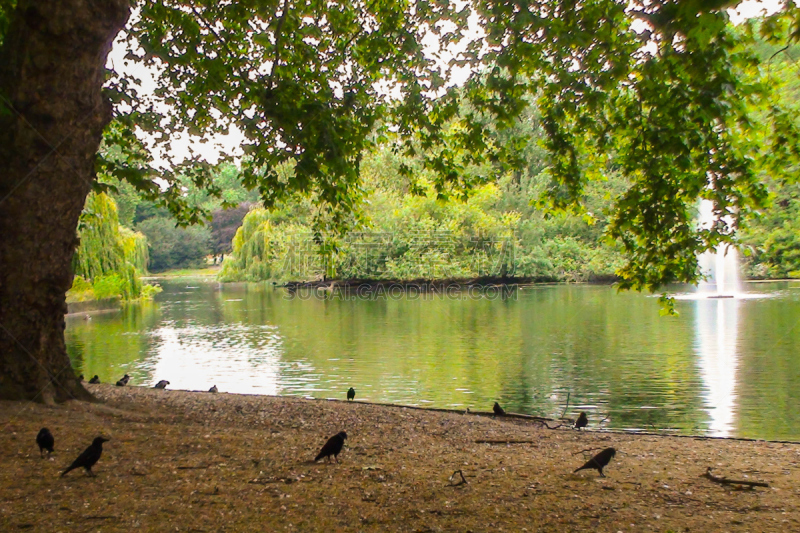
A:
{"points": [[184, 145]]}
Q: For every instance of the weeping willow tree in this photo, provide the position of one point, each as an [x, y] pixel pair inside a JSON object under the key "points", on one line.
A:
{"points": [[265, 250], [110, 258]]}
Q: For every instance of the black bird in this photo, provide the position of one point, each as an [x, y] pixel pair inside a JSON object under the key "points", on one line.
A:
{"points": [[599, 461], [351, 394], [161, 384], [95, 379], [499, 411], [332, 447], [582, 421], [123, 381], [213, 389], [45, 441], [89, 457]]}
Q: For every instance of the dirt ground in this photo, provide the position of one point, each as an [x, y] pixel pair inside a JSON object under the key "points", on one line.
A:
{"points": [[182, 461]]}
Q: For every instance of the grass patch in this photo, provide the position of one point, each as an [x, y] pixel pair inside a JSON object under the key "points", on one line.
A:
{"points": [[207, 272]]}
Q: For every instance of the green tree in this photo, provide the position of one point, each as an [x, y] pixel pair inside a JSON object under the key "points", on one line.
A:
{"points": [[772, 240], [174, 247], [315, 84]]}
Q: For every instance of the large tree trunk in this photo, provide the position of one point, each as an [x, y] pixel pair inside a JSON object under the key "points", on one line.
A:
{"points": [[52, 115]]}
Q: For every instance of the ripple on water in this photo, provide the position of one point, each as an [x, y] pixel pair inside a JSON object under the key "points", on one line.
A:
{"points": [[709, 370]]}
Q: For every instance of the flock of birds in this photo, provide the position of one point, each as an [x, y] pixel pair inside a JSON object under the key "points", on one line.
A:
{"points": [[331, 448], [598, 462], [87, 459], [126, 378]]}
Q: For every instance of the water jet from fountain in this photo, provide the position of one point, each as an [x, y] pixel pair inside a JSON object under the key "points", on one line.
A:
{"points": [[721, 266]]}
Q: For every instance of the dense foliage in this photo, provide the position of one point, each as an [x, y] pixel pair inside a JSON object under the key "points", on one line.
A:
{"points": [[174, 247], [110, 258], [667, 94], [496, 233], [772, 240], [171, 245]]}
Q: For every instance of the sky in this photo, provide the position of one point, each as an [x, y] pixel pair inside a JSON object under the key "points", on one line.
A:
{"points": [[183, 145]]}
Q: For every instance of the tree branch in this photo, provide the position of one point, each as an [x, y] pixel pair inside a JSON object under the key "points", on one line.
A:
{"points": [[725, 481]]}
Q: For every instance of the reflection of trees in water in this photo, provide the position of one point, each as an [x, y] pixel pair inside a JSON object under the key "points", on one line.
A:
{"points": [[111, 341], [610, 351], [768, 391], [616, 356]]}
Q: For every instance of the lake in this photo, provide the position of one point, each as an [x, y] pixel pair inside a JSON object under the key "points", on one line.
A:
{"points": [[723, 367]]}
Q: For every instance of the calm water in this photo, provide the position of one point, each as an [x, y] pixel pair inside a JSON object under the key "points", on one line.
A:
{"points": [[723, 367]]}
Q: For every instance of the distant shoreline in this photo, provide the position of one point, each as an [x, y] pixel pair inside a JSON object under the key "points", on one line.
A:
{"points": [[419, 283]]}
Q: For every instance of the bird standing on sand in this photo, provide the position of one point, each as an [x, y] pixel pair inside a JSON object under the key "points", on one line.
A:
{"points": [[94, 380], [599, 461], [332, 447], [582, 421], [161, 384], [499, 411], [213, 389], [88, 458], [123, 381], [45, 441], [351, 394]]}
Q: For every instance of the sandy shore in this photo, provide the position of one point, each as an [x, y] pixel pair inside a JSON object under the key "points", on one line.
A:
{"points": [[181, 461]]}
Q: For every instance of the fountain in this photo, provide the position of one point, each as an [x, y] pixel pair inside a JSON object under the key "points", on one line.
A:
{"points": [[721, 266], [717, 328]]}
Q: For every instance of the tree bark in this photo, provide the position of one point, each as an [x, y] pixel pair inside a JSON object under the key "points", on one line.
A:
{"points": [[52, 114]]}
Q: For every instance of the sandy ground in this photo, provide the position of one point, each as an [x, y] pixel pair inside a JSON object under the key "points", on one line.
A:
{"points": [[181, 461]]}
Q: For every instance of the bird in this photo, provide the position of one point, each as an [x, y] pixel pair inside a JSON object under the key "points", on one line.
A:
{"points": [[213, 389], [332, 447], [582, 421], [80, 378], [95, 379], [123, 381], [499, 411], [45, 441], [89, 457], [161, 384], [351, 394], [599, 461]]}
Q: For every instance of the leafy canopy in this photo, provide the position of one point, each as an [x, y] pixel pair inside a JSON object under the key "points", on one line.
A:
{"points": [[666, 92]]}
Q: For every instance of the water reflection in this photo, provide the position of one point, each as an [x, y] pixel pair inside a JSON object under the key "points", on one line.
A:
{"points": [[722, 367], [717, 334], [191, 357]]}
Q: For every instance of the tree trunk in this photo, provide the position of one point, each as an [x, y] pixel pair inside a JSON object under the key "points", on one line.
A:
{"points": [[52, 114]]}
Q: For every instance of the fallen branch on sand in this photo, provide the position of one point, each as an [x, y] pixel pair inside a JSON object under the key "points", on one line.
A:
{"points": [[463, 479], [725, 481], [502, 441]]}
